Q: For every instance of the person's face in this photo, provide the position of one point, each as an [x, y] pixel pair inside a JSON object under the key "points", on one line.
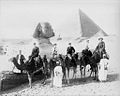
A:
{"points": [[100, 40], [34, 45]]}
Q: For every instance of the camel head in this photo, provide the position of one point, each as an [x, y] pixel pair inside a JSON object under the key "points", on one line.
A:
{"points": [[13, 59]]}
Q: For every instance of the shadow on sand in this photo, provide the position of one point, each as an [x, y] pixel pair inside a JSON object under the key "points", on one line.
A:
{"points": [[86, 80], [77, 81]]}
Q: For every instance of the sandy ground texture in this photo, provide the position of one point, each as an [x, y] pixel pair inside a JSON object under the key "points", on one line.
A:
{"points": [[78, 87]]}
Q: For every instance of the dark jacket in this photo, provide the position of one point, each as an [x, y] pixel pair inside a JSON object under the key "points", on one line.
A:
{"points": [[35, 52], [100, 47], [70, 50]]}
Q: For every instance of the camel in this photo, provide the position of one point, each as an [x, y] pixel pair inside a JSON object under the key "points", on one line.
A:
{"points": [[29, 67]]}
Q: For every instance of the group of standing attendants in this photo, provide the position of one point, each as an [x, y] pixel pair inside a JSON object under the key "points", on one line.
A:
{"points": [[57, 74]]}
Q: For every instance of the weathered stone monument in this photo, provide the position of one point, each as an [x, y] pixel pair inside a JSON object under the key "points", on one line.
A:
{"points": [[42, 35]]}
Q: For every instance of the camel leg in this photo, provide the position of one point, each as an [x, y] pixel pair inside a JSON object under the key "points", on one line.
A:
{"points": [[52, 72], [30, 79], [84, 71], [90, 73], [68, 76], [95, 75], [45, 77], [65, 74], [81, 71], [13, 68], [73, 73]]}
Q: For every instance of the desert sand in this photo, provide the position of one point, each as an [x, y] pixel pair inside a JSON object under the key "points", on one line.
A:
{"points": [[81, 86]]}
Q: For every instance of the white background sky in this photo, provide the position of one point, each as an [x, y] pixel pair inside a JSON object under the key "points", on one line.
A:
{"points": [[19, 18]]}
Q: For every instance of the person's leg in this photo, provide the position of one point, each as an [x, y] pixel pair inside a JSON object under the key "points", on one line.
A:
{"points": [[21, 71]]}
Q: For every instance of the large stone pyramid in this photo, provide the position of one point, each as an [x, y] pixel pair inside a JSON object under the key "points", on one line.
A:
{"points": [[88, 27]]}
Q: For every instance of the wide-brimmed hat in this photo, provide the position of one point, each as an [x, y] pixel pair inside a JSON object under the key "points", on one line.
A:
{"points": [[100, 38]]}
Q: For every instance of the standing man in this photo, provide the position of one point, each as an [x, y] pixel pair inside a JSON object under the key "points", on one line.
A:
{"points": [[20, 58], [70, 50], [101, 47]]}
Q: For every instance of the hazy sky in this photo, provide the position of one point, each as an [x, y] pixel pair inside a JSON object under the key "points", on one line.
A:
{"points": [[19, 18]]}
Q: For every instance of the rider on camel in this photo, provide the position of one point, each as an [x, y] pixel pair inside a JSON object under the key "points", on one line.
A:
{"points": [[101, 47], [85, 51], [70, 50], [35, 51], [55, 51], [21, 59]]}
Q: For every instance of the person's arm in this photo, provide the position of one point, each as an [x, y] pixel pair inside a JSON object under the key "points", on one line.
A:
{"points": [[103, 43], [23, 57], [38, 49], [67, 49], [73, 49], [97, 47]]}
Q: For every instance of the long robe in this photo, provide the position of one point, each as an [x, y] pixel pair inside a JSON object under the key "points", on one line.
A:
{"points": [[57, 81], [103, 68]]}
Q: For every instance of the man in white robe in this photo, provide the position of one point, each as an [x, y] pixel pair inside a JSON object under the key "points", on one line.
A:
{"points": [[103, 68], [58, 75]]}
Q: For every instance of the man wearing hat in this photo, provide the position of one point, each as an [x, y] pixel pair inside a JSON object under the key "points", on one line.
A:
{"points": [[35, 51], [55, 51], [21, 59], [101, 47], [70, 50]]}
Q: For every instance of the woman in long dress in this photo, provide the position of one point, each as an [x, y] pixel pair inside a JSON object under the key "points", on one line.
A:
{"points": [[103, 68], [57, 81]]}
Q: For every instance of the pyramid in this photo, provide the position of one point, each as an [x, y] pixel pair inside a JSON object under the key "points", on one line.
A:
{"points": [[88, 27]]}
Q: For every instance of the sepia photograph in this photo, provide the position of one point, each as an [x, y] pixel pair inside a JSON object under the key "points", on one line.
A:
{"points": [[59, 47]]}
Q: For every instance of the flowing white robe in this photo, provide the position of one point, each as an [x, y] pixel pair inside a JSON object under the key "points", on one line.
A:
{"points": [[103, 68], [57, 80]]}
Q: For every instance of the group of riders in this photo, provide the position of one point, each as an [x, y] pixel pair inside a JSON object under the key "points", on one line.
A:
{"points": [[100, 49]]}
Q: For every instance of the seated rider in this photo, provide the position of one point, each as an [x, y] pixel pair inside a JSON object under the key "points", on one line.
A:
{"points": [[86, 50], [55, 51], [35, 51], [101, 47], [70, 50], [20, 58]]}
